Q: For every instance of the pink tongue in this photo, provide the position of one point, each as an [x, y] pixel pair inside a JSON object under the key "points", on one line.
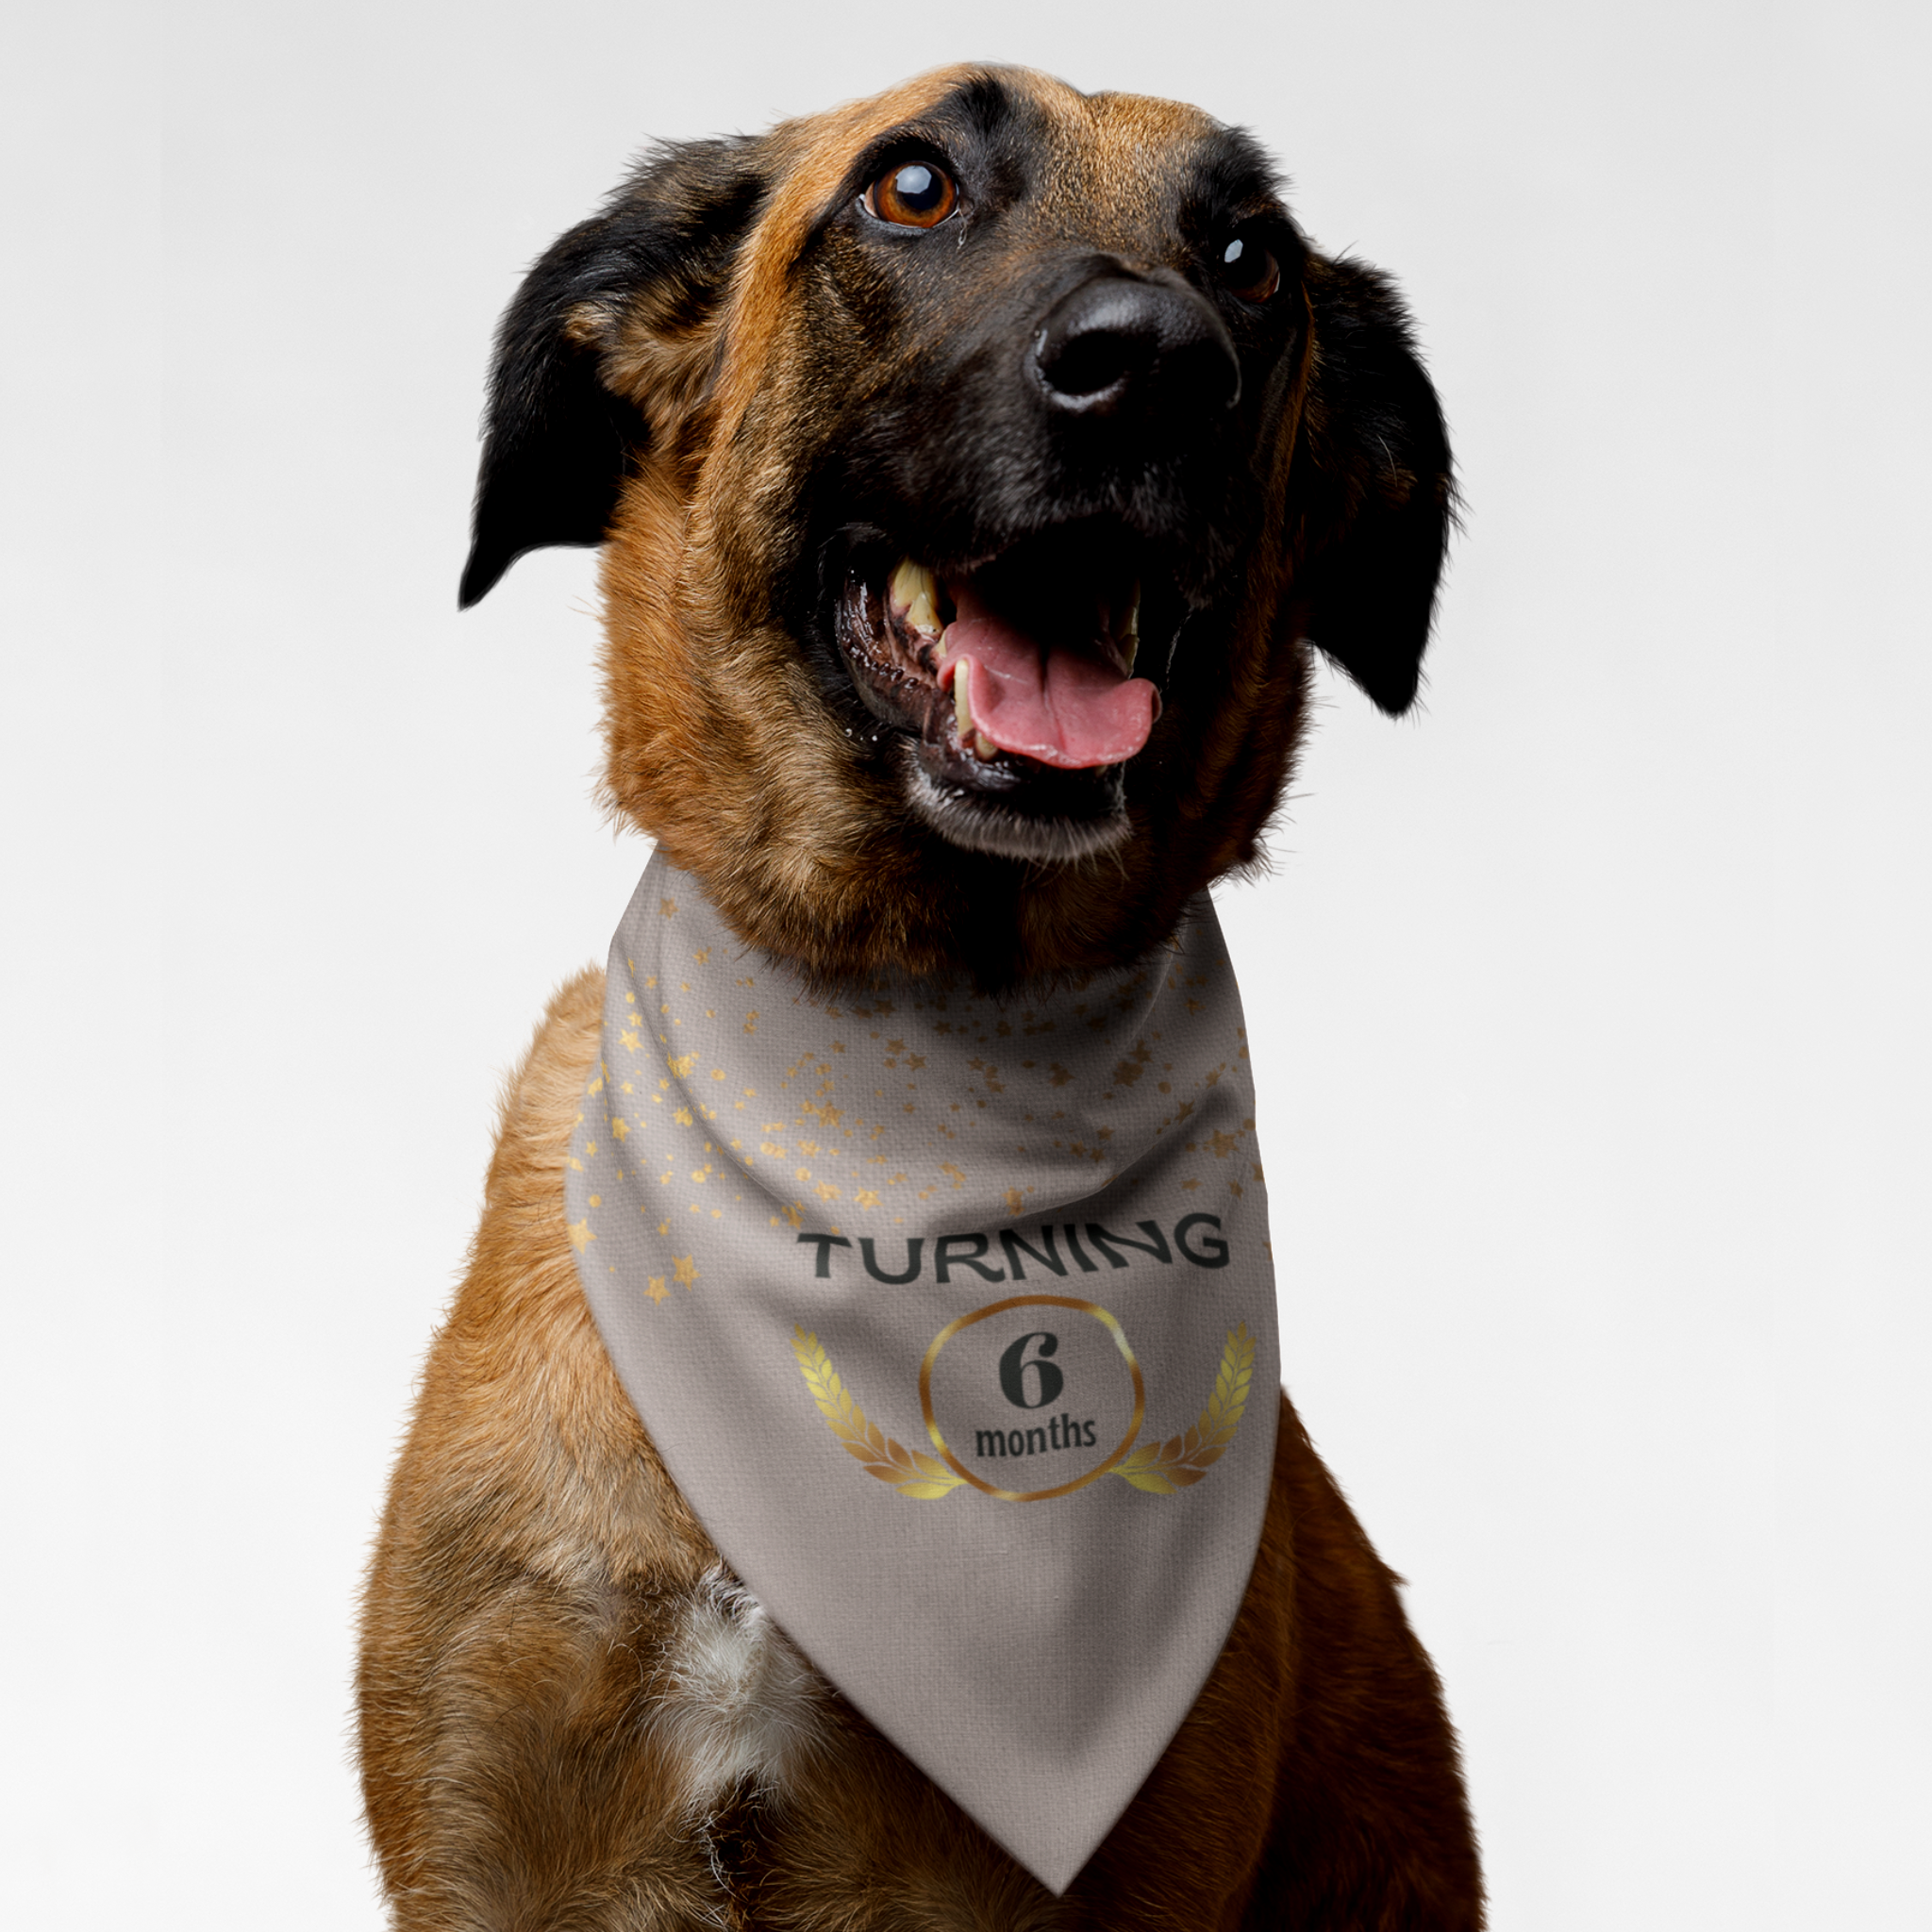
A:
{"points": [[1059, 708]]}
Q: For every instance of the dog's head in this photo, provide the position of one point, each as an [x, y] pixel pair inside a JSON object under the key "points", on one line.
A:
{"points": [[975, 465]]}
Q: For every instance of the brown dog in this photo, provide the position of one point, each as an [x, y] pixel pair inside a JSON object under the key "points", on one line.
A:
{"points": [[993, 343]]}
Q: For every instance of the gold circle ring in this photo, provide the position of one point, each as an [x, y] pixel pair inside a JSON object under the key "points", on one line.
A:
{"points": [[1030, 1301]]}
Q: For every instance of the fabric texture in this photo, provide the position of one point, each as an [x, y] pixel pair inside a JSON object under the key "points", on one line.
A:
{"points": [[954, 1320]]}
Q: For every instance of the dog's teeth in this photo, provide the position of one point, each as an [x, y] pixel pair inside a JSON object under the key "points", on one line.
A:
{"points": [[915, 592], [977, 741]]}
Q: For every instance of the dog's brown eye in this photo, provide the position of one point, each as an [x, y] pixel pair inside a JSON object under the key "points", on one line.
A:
{"points": [[1250, 270], [915, 195]]}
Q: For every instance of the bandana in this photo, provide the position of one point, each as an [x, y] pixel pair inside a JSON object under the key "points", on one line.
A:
{"points": [[954, 1320]]}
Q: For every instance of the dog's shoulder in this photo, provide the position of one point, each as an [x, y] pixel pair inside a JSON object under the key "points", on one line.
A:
{"points": [[522, 1434], [543, 1099]]}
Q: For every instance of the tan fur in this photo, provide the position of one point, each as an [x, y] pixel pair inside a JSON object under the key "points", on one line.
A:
{"points": [[571, 1715]]}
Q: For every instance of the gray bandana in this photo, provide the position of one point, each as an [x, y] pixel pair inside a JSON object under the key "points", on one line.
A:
{"points": [[954, 1320]]}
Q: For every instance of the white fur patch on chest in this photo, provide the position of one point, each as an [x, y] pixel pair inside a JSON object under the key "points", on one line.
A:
{"points": [[737, 1704]]}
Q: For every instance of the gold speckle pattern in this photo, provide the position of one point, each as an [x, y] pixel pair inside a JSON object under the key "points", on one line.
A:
{"points": [[918, 1091]]}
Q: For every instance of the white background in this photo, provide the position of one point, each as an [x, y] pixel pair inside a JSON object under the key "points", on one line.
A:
{"points": [[1589, 1002]]}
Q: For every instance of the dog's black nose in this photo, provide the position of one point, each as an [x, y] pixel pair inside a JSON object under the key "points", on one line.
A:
{"points": [[1119, 345]]}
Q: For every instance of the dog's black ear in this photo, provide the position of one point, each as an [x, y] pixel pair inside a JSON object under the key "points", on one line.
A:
{"points": [[1378, 495], [557, 439]]}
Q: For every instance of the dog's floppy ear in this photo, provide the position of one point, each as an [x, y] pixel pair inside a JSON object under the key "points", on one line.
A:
{"points": [[559, 436], [1378, 496]]}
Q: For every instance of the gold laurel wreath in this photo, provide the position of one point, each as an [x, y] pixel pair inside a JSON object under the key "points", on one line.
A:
{"points": [[911, 1474], [1160, 1468]]}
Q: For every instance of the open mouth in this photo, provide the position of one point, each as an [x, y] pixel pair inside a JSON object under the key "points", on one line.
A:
{"points": [[1011, 687]]}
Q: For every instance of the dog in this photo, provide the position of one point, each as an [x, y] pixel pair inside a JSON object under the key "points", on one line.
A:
{"points": [[987, 345]]}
